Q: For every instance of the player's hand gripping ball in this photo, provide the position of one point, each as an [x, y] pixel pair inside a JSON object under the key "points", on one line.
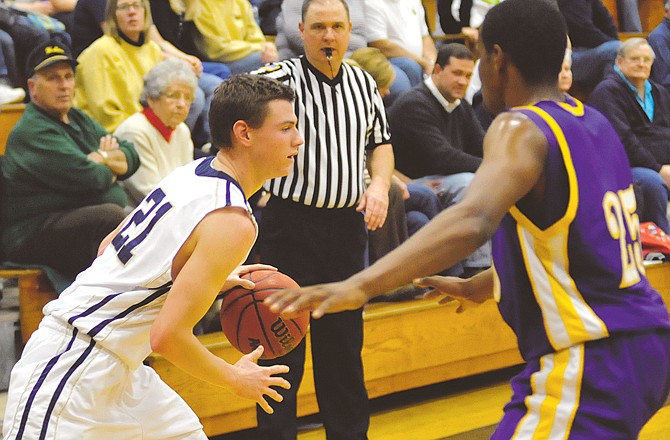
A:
{"points": [[248, 323]]}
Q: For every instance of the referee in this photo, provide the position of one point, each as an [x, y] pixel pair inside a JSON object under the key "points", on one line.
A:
{"points": [[314, 225]]}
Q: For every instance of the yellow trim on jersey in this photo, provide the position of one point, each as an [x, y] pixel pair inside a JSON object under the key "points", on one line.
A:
{"points": [[556, 393], [567, 318], [564, 222], [576, 110]]}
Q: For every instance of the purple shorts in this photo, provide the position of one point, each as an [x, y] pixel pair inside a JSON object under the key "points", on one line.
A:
{"points": [[604, 389]]}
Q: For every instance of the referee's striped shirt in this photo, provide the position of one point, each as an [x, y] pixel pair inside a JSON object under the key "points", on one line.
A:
{"points": [[339, 119]]}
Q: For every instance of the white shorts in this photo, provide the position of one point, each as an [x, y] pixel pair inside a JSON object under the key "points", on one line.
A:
{"points": [[65, 386]]}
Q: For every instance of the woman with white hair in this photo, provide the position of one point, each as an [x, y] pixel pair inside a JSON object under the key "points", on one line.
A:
{"points": [[158, 131]]}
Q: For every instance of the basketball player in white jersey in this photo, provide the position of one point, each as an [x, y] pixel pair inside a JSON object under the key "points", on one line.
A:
{"points": [[81, 375]]}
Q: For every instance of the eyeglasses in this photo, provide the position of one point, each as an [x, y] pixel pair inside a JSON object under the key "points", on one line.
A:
{"points": [[643, 60], [126, 6], [176, 96]]}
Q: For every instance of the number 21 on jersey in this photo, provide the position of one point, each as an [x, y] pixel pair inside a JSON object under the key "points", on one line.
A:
{"points": [[152, 208]]}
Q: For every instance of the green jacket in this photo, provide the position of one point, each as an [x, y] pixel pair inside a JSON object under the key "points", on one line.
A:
{"points": [[45, 170]]}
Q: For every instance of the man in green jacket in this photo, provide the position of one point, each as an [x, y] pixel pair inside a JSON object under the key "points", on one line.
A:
{"points": [[61, 194]]}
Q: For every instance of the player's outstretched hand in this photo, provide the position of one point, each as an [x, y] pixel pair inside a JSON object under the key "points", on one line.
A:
{"points": [[254, 382], [320, 299], [467, 292], [235, 278]]}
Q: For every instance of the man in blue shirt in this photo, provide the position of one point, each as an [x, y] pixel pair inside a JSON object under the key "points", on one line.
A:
{"points": [[639, 110]]}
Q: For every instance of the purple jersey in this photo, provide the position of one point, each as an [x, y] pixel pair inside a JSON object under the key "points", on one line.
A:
{"points": [[570, 266]]}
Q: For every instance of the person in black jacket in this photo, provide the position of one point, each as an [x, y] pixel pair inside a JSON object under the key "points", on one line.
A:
{"points": [[639, 110], [437, 139], [595, 39]]}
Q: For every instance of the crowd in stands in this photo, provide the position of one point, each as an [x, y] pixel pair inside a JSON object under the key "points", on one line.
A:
{"points": [[89, 147], [435, 111]]}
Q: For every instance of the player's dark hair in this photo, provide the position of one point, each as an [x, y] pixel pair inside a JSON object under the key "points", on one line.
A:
{"points": [[242, 97], [307, 3], [532, 33], [456, 50]]}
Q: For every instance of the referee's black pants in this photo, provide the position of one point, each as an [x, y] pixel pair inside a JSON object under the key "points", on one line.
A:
{"points": [[314, 246]]}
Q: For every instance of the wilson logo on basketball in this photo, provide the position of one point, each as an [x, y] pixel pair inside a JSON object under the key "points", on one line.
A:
{"points": [[247, 322], [283, 334]]}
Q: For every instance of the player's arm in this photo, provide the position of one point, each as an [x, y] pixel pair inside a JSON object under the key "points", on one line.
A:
{"points": [[514, 156], [375, 200], [215, 248]]}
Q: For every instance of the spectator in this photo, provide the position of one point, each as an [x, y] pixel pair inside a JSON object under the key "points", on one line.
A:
{"points": [[437, 140], [659, 40], [639, 110], [61, 170], [132, 57], [26, 31], [420, 203], [158, 132], [61, 10], [629, 16], [10, 73], [399, 30], [111, 69], [175, 34], [376, 64], [565, 75], [313, 228], [595, 40], [268, 12], [229, 33], [463, 16], [9, 93], [88, 22]]}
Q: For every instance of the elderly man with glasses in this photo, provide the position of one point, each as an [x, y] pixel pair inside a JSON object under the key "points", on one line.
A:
{"points": [[639, 110]]}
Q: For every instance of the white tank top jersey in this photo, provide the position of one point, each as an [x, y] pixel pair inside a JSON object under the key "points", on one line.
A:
{"points": [[116, 300]]}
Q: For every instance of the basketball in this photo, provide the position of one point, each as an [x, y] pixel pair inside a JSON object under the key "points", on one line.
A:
{"points": [[248, 323]]}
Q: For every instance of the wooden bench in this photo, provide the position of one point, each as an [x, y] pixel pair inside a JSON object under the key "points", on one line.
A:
{"points": [[35, 291], [34, 287], [407, 345], [9, 115]]}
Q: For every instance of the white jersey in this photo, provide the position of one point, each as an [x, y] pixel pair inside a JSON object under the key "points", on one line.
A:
{"points": [[117, 299]]}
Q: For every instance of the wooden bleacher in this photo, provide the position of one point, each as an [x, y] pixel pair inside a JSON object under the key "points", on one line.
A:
{"points": [[407, 345], [34, 287], [9, 115], [651, 13]]}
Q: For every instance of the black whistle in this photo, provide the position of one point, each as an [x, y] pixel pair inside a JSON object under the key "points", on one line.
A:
{"points": [[329, 52]]}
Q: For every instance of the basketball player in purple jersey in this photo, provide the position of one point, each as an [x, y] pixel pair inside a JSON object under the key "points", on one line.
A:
{"points": [[554, 193]]}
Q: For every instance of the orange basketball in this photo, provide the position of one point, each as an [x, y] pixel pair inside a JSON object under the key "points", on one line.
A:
{"points": [[248, 323]]}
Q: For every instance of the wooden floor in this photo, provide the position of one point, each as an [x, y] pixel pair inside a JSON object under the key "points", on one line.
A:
{"points": [[465, 409]]}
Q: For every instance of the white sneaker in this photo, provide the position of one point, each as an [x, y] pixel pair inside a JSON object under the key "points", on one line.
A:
{"points": [[10, 95]]}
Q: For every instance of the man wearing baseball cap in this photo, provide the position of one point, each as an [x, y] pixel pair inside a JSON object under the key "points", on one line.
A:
{"points": [[61, 194]]}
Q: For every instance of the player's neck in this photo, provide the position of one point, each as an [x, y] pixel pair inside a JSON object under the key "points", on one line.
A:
{"points": [[234, 169], [531, 94]]}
